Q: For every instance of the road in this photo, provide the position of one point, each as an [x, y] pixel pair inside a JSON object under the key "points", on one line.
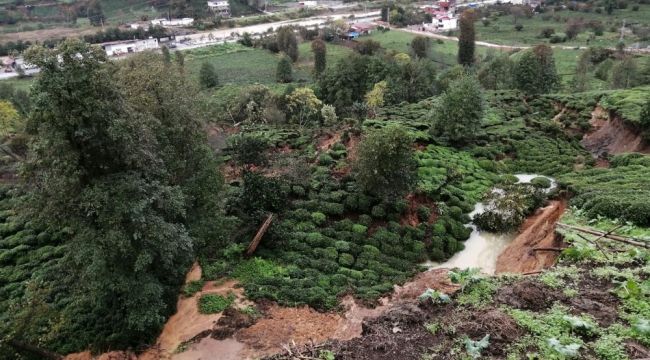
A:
{"points": [[212, 37], [512, 47]]}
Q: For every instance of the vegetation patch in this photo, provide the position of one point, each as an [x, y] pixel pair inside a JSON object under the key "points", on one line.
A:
{"points": [[213, 303]]}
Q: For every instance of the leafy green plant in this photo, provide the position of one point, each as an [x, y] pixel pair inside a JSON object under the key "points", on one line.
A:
{"points": [[432, 327], [569, 350], [464, 277], [192, 287], [474, 348], [326, 355], [213, 303], [436, 297]]}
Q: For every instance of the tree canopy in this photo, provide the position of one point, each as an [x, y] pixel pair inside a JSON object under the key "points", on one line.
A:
{"points": [[535, 72], [386, 166], [131, 180], [456, 116]]}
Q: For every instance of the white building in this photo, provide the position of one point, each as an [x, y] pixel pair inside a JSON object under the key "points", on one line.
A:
{"points": [[117, 48], [172, 22], [308, 3], [445, 22], [220, 7]]}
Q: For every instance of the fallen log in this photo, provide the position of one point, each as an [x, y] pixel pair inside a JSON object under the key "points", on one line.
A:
{"points": [[559, 249], [606, 235], [35, 350], [258, 237]]}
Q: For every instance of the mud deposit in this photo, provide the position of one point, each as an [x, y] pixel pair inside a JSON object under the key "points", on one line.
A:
{"points": [[401, 331], [532, 249]]}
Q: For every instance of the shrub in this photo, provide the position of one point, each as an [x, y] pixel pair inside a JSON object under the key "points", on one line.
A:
{"points": [[378, 211], [298, 190], [541, 182], [359, 229], [192, 287], [325, 159], [318, 218], [365, 220], [424, 213], [214, 270], [213, 303], [346, 260]]}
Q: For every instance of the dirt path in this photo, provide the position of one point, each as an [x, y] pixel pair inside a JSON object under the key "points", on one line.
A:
{"points": [[538, 231], [508, 47]]}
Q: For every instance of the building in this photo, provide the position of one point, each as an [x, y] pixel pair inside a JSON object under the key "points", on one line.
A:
{"points": [[220, 7], [445, 22], [363, 28], [308, 3], [173, 22], [117, 48], [8, 64], [441, 19]]}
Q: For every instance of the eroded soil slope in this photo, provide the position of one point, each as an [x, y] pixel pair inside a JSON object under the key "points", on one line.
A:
{"points": [[610, 134]]}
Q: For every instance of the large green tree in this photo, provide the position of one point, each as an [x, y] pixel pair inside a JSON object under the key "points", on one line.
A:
{"points": [[466, 45], [456, 116], [287, 42], [123, 168], [386, 166], [535, 72], [420, 47], [208, 76], [283, 71], [496, 73], [319, 49], [625, 74]]}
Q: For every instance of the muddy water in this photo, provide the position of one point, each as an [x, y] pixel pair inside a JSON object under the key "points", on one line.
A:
{"points": [[483, 248]]}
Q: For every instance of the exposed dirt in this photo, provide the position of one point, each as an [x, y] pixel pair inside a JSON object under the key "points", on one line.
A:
{"points": [[596, 299], [217, 136], [502, 328], [612, 135], [45, 34], [400, 332], [328, 140], [283, 326], [529, 294], [434, 279], [187, 322], [411, 215], [538, 231], [231, 321], [352, 146]]}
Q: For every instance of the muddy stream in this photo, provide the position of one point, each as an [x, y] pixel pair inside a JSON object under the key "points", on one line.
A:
{"points": [[284, 326]]}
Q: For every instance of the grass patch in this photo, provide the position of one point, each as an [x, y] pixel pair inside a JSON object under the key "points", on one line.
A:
{"points": [[193, 287], [213, 303]]}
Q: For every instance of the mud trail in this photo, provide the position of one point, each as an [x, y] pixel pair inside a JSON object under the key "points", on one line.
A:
{"points": [[538, 231]]}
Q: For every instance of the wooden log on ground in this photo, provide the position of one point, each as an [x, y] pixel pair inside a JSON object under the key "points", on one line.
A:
{"points": [[548, 249], [623, 239], [34, 350], [258, 237]]}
